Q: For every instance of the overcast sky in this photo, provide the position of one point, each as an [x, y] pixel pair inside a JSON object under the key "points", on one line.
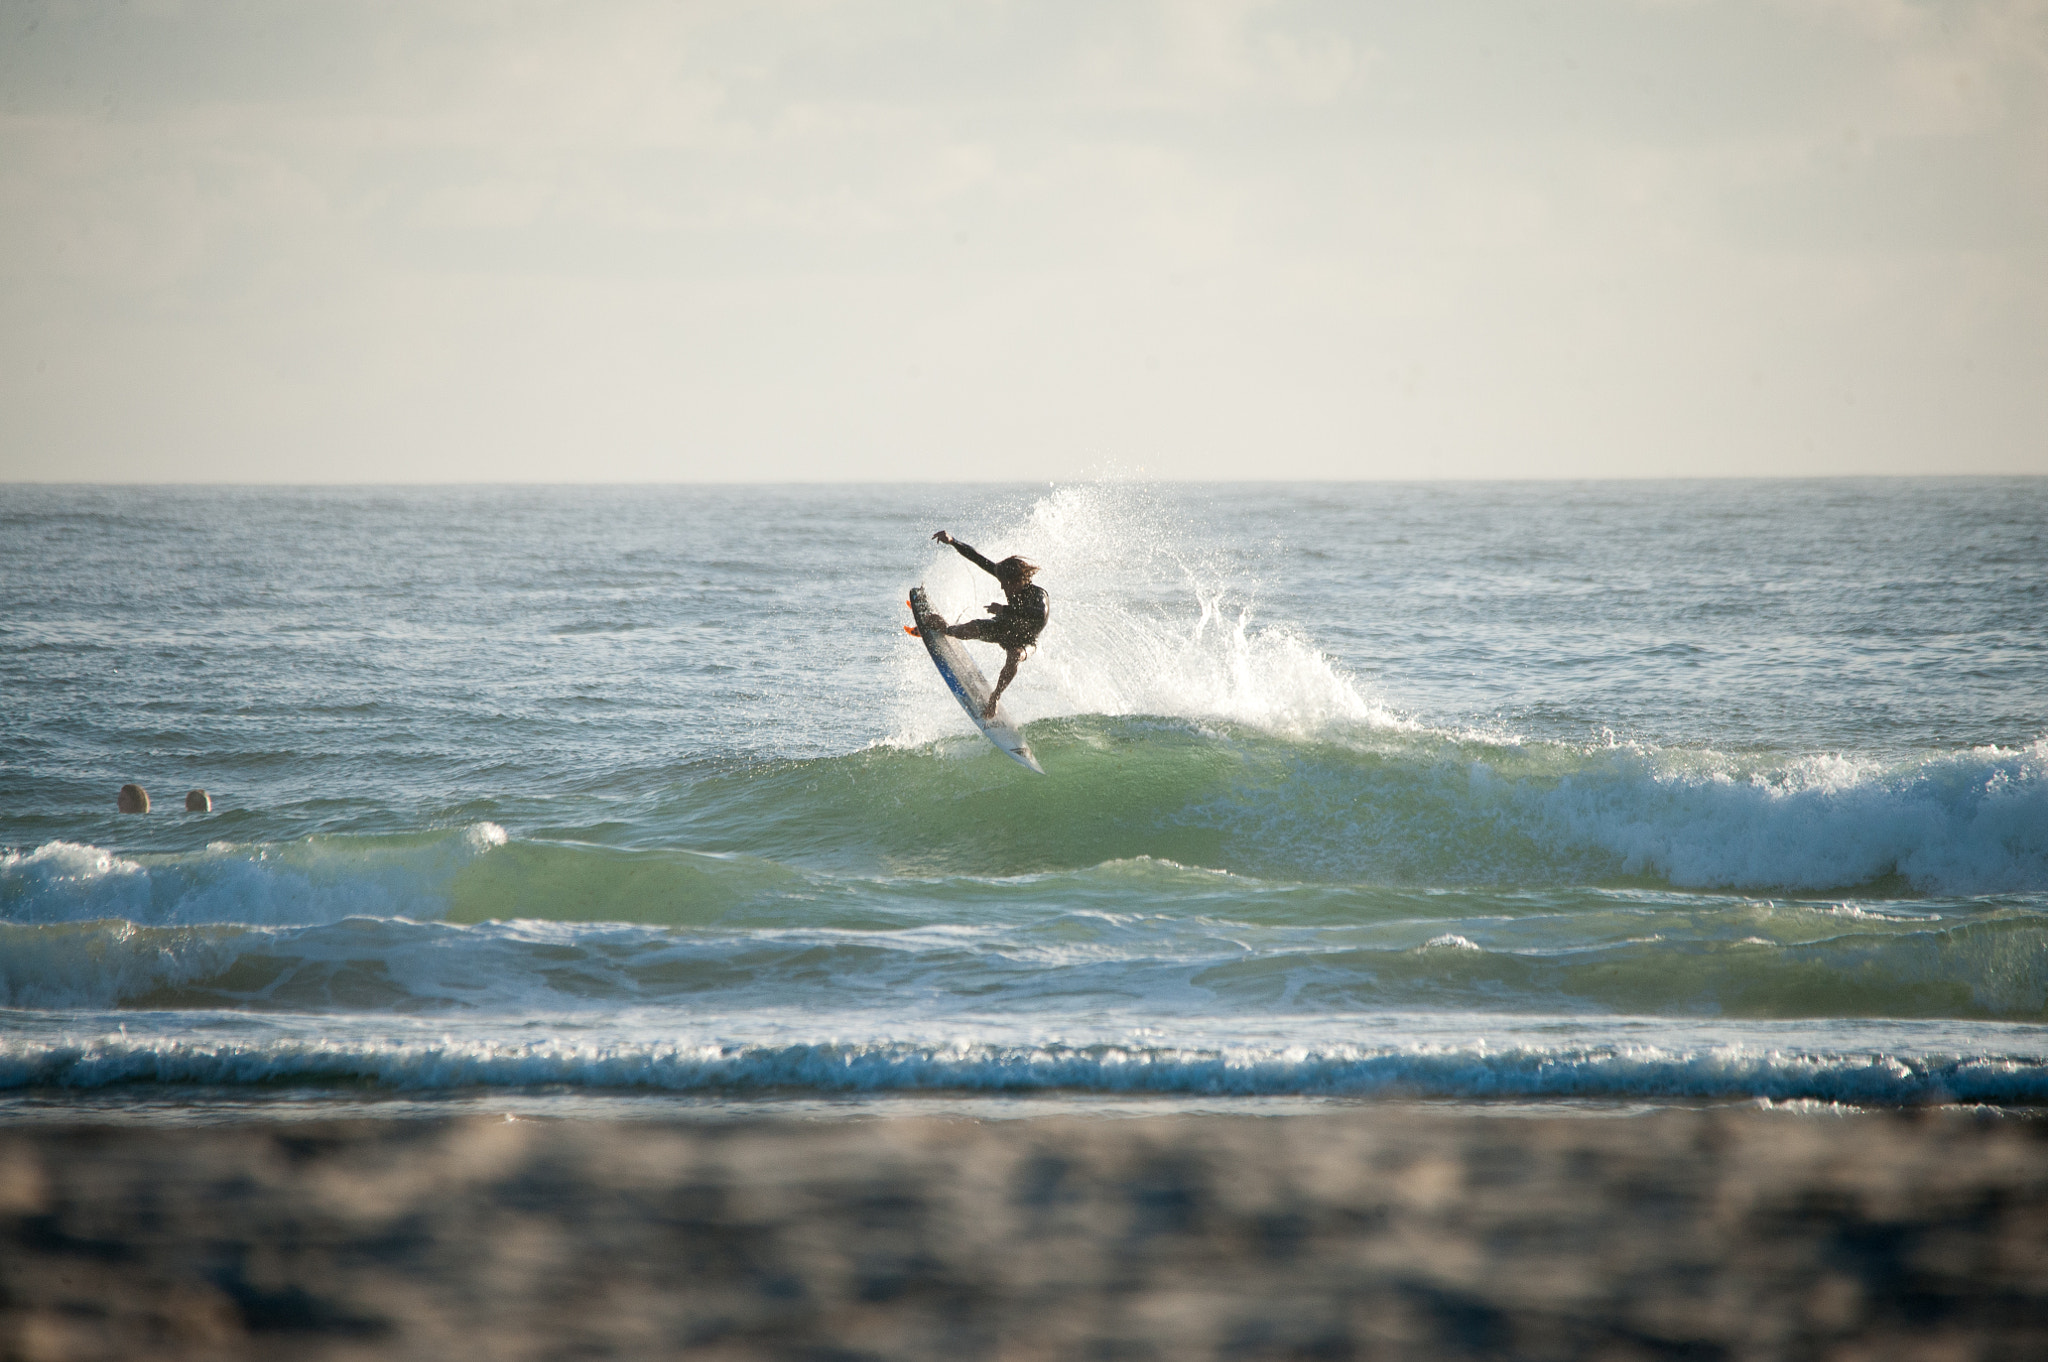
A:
{"points": [[499, 241]]}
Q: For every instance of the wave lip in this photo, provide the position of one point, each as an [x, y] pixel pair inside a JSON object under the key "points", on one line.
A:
{"points": [[1723, 1072]]}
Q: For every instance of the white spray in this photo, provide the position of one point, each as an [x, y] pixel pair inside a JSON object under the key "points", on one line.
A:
{"points": [[1147, 618]]}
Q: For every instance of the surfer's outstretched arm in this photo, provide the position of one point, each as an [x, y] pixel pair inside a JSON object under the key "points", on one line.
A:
{"points": [[969, 552]]}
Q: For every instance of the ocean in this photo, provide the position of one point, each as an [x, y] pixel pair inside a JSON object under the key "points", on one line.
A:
{"points": [[612, 799]]}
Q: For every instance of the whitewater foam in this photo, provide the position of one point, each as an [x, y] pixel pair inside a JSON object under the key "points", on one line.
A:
{"points": [[1972, 822], [318, 879]]}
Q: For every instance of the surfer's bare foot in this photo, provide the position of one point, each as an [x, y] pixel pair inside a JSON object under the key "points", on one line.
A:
{"points": [[988, 711]]}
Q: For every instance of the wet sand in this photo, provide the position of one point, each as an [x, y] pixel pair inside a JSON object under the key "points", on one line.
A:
{"points": [[1381, 1231]]}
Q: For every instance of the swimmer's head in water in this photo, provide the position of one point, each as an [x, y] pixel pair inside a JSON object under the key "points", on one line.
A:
{"points": [[1015, 569]]}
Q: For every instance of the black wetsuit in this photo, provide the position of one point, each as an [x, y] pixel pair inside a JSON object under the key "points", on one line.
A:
{"points": [[1022, 617]]}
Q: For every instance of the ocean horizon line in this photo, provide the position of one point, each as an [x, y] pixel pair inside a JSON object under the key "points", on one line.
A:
{"points": [[1140, 479]]}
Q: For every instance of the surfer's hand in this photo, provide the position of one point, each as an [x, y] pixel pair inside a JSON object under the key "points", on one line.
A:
{"points": [[942, 537]]}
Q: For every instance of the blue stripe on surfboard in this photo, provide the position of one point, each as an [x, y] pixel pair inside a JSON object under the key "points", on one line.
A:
{"points": [[956, 673]]}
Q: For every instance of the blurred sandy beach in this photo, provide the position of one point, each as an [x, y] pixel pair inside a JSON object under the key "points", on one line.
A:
{"points": [[1384, 1231]]}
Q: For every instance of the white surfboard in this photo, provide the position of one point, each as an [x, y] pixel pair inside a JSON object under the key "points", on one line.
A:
{"points": [[964, 679]]}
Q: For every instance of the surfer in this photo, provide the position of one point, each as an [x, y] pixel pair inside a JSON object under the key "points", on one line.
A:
{"points": [[1014, 623]]}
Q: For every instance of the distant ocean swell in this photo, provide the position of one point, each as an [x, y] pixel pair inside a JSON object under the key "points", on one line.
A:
{"points": [[832, 1067]]}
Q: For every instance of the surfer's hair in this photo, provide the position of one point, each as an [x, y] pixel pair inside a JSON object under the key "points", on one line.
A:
{"points": [[1015, 569]]}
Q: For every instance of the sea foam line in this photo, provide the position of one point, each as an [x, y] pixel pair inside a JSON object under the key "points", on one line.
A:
{"points": [[837, 1067]]}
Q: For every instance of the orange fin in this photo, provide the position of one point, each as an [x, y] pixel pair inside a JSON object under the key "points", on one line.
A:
{"points": [[911, 630]]}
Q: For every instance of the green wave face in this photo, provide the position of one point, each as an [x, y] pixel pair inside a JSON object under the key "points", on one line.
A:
{"points": [[1163, 865], [1388, 808], [560, 883]]}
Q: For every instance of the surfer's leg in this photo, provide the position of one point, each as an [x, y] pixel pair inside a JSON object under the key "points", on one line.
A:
{"points": [[1011, 657], [972, 629]]}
